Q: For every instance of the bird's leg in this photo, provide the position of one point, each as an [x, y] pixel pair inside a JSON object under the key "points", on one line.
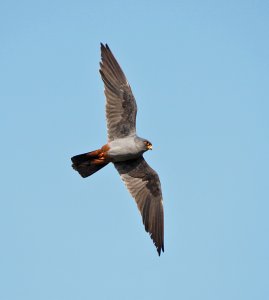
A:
{"points": [[103, 153]]}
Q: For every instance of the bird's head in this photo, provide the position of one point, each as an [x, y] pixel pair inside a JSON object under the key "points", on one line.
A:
{"points": [[143, 145], [148, 145]]}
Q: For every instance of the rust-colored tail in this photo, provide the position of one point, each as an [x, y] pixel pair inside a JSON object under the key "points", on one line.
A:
{"points": [[88, 163]]}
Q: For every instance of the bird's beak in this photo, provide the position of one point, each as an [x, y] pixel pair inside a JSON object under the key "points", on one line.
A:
{"points": [[149, 147]]}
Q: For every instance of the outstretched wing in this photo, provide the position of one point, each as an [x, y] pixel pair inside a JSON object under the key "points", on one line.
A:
{"points": [[121, 107], [144, 185]]}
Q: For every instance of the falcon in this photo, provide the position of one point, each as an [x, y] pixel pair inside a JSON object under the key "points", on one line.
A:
{"points": [[125, 149]]}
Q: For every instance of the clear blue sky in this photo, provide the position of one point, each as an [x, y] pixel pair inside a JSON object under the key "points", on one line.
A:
{"points": [[199, 72]]}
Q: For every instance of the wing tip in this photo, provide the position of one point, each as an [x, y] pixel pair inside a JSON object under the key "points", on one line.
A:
{"points": [[159, 244], [104, 46], [160, 249]]}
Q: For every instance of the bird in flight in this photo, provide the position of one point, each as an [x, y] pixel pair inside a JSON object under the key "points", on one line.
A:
{"points": [[125, 149]]}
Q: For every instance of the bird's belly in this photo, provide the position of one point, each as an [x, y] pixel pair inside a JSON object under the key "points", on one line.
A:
{"points": [[118, 153]]}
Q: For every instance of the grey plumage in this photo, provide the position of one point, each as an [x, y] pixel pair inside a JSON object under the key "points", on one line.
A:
{"points": [[144, 185], [121, 106], [125, 149], [141, 180]]}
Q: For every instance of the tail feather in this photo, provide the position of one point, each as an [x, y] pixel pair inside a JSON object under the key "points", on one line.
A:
{"points": [[88, 163]]}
